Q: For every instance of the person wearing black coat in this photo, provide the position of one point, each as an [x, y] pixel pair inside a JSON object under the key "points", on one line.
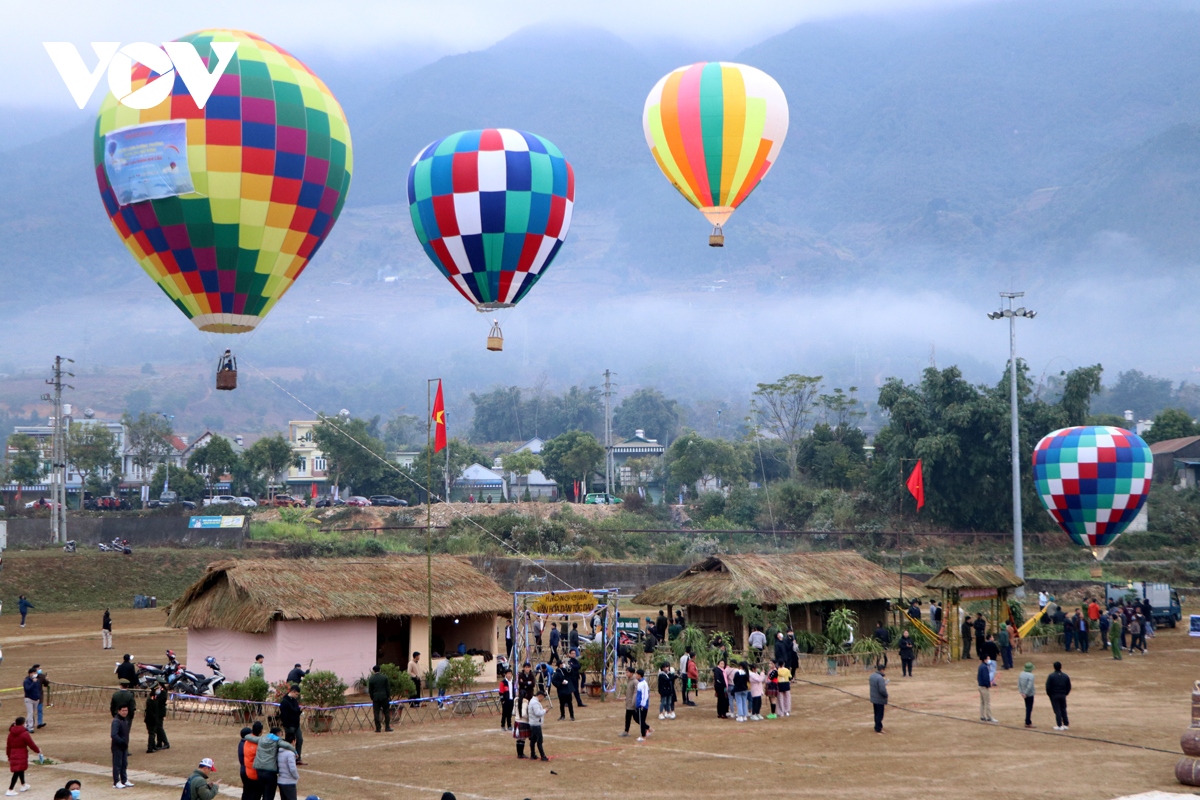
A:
{"points": [[561, 681], [908, 654], [127, 672], [968, 629], [575, 674], [980, 631], [781, 653], [380, 690], [1058, 686], [296, 675], [156, 710], [289, 720], [119, 738], [720, 688], [660, 626]]}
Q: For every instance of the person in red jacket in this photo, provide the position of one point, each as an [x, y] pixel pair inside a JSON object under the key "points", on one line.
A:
{"points": [[20, 742]]}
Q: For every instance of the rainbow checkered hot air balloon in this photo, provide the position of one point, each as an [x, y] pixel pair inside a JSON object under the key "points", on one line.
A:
{"points": [[1093, 480], [715, 129], [492, 209], [224, 206]]}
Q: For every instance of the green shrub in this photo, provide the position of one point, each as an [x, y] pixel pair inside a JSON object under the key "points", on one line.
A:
{"points": [[460, 675], [400, 683], [323, 689]]}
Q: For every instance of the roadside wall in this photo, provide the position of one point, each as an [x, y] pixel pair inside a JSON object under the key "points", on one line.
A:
{"points": [[517, 575], [140, 531]]}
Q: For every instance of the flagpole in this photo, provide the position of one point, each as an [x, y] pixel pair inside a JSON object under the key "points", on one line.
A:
{"points": [[429, 522]]}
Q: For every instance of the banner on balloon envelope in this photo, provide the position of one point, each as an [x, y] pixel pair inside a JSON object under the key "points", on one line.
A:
{"points": [[148, 162]]}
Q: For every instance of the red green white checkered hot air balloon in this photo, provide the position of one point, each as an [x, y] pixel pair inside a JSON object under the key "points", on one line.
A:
{"points": [[491, 208], [1093, 480]]}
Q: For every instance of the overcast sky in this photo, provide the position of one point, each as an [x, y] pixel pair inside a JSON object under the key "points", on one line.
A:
{"points": [[428, 28]]}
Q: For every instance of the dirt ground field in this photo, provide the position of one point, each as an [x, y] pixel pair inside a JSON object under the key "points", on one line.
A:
{"points": [[935, 749]]}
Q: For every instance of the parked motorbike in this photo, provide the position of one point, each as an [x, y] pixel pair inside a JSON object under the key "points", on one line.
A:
{"points": [[117, 545], [195, 684], [69, 547]]}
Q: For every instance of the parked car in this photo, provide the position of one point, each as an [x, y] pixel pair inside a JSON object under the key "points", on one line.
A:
{"points": [[221, 500], [41, 502], [356, 500], [287, 501], [601, 498], [387, 500], [247, 502], [188, 504]]}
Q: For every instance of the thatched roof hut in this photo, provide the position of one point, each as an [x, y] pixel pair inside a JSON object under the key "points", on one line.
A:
{"points": [[807, 583], [247, 596], [985, 576], [794, 579], [371, 609], [971, 583]]}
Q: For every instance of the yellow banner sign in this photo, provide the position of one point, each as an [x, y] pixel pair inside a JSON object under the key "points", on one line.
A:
{"points": [[564, 603]]}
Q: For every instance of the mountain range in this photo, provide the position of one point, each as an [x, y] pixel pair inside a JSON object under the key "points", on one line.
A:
{"points": [[992, 137]]}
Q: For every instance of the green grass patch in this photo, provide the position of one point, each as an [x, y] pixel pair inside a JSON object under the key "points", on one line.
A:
{"points": [[58, 581]]}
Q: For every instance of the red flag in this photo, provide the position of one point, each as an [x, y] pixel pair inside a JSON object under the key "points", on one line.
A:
{"points": [[439, 421], [916, 485], [314, 491]]}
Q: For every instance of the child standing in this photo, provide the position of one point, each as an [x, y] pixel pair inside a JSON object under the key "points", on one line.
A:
{"points": [[757, 680], [785, 690]]}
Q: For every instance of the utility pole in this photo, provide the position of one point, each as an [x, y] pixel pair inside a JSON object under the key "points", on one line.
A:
{"points": [[1008, 312], [58, 458], [608, 456]]}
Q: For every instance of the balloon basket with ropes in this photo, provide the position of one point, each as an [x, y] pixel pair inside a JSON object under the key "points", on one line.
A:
{"points": [[594, 610], [227, 372], [717, 237], [495, 339]]}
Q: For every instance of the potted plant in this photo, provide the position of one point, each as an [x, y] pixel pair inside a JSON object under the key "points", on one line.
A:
{"points": [[591, 660], [459, 678], [838, 628], [321, 691]]}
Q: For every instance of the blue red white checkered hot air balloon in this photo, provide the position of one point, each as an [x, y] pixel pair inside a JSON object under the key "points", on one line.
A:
{"points": [[491, 208], [1093, 480]]}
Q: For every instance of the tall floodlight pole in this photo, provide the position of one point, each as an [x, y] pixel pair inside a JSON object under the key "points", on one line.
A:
{"points": [[608, 457], [1008, 312]]}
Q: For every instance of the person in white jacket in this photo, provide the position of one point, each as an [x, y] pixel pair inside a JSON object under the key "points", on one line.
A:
{"points": [[288, 776], [536, 713]]}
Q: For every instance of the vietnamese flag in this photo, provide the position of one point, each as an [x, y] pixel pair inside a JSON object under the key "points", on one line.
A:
{"points": [[439, 421], [916, 485]]}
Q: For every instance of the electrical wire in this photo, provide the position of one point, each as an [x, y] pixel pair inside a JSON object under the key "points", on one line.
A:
{"points": [[1057, 734], [428, 493]]}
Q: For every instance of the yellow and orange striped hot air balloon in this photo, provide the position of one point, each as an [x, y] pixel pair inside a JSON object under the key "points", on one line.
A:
{"points": [[715, 129]]}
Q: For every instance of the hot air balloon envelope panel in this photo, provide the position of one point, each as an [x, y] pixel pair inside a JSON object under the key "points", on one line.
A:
{"points": [[1093, 480], [491, 208], [148, 162], [270, 160]]}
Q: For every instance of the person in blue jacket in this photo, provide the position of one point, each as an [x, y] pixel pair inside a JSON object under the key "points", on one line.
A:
{"points": [[983, 677], [23, 605]]}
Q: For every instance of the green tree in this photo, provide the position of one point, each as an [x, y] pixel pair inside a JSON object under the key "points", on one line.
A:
{"points": [[691, 458], [188, 485], [402, 430], [571, 456], [147, 439], [91, 449], [784, 409], [961, 433], [25, 466], [270, 456], [353, 456], [497, 415], [521, 464], [648, 410], [213, 459], [1135, 391], [1171, 423], [578, 409]]}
